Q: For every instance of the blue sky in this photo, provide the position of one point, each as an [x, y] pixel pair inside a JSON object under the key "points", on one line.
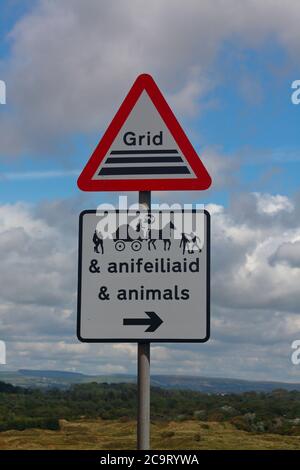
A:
{"points": [[68, 65]]}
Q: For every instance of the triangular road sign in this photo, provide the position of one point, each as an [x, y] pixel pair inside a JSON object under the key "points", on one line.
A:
{"points": [[144, 148]]}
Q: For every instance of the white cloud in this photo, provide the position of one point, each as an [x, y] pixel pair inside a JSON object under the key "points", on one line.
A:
{"points": [[36, 259], [255, 295], [269, 204], [130, 350], [72, 62], [287, 252], [251, 280]]}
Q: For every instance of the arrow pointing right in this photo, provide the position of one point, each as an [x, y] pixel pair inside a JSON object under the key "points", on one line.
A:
{"points": [[153, 320]]}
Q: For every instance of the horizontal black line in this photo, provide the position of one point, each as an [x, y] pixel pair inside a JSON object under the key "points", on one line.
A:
{"points": [[145, 170], [141, 152], [143, 159]]}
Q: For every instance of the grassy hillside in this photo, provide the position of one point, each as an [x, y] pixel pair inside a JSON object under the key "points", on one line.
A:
{"points": [[277, 412], [117, 434]]}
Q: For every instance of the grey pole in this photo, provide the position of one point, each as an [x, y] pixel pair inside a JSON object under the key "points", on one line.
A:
{"points": [[143, 370]]}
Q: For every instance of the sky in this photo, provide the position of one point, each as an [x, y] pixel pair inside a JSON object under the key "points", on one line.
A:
{"points": [[226, 69]]}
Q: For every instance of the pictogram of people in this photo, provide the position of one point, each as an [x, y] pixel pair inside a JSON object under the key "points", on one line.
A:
{"points": [[98, 242]]}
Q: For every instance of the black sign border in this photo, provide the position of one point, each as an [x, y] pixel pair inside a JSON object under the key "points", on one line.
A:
{"points": [[144, 340]]}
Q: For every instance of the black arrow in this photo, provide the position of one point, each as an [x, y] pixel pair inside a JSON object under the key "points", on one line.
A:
{"points": [[154, 321]]}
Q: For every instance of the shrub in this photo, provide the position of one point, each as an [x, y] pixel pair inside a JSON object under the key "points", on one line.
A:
{"points": [[167, 434], [20, 424], [205, 426]]}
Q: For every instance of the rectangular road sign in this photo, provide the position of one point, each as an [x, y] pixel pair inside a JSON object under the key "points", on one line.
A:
{"points": [[144, 276]]}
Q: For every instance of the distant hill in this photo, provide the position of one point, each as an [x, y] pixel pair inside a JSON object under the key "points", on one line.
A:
{"points": [[219, 385], [51, 373], [63, 379]]}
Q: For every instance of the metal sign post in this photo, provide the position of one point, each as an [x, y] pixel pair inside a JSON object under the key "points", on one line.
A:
{"points": [[143, 368], [143, 379]]}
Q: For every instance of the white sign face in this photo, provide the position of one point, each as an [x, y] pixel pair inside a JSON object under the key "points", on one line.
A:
{"points": [[144, 276], [144, 148]]}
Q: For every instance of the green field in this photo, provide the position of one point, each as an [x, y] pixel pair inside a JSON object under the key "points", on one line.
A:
{"points": [[117, 434]]}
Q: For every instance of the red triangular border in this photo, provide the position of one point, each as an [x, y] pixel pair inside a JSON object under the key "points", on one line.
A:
{"points": [[202, 180]]}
